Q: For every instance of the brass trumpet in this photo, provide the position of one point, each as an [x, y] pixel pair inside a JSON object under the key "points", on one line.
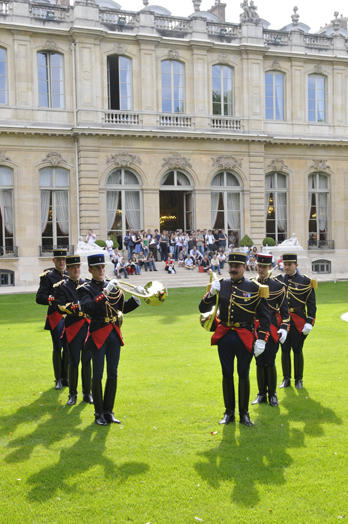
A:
{"points": [[155, 292], [206, 319]]}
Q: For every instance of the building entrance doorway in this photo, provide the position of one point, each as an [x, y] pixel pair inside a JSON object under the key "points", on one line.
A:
{"points": [[176, 210]]}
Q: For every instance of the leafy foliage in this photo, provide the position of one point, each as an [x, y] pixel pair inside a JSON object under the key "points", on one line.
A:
{"points": [[246, 241], [268, 241]]}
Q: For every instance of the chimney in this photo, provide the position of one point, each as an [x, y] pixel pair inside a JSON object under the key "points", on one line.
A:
{"points": [[218, 10]]}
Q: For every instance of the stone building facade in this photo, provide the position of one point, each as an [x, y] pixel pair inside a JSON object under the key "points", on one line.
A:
{"points": [[112, 119]]}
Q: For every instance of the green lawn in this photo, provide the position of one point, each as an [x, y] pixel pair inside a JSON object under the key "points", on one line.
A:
{"points": [[163, 465]]}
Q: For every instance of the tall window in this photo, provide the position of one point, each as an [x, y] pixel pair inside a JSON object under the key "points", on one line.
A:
{"points": [[54, 186], [274, 83], [123, 203], [318, 207], [226, 205], [277, 207], [172, 73], [3, 77], [51, 81], [6, 207], [316, 98], [176, 201], [119, 83], [222, 90]]}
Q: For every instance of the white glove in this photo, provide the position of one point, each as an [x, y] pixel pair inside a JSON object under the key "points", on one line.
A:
{"points": [[307, 328], [140, 289], [137, 300], [259, 347], [282, 335], [215, 287], [111, 286]]}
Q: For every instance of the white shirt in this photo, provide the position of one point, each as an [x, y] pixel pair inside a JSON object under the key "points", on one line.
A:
{"points": [[90, 238]]}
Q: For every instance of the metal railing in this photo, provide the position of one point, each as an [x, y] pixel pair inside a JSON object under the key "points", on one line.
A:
{"points": [[47, 251], [232, 124], [321, 244], [122, 118], [8, 251], [174, 121]]}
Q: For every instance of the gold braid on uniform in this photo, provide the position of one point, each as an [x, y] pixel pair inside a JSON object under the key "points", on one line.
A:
{"points": [[304, 289], [113, 297], [254, 297]]}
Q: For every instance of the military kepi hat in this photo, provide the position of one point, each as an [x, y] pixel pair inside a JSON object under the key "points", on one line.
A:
{"points": [[96, 260], [59, 253], [73, 260], [290, 257], [263, 260], [237, 258]]}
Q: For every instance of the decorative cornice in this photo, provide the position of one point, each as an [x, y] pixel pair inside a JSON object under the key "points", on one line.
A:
{"points": [[227, 162], [277, 165], [54, 158], [319, 165], [176, 161], [3, 157], [123, 159]]}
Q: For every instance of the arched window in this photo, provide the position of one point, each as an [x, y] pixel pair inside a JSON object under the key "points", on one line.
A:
{"points": [[176, 201], [316, 98], [51, 79], [226, 205], [119, 83], [277, 206], [318, 208], [55, 216], [172, 74], [123, 203], [6, 209], [274, 95], [3, 77], [222, 90]]}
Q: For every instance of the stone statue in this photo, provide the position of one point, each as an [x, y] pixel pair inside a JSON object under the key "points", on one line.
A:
{"points": [[249, 12], [293, 241], [87, 249]]}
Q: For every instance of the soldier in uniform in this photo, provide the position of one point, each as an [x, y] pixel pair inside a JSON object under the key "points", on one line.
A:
{"points": [[76, 328], [266, 371], [104, 303], [302, 308], [239, 301], [54, 319]]}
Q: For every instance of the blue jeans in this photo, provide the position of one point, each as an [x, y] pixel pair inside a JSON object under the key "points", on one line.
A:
{"points": [[201, 249], [152, 265], [130, 251], [137, 269]]}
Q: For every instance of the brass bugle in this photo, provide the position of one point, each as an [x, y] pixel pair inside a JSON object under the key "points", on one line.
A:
{"points": [[206, 319], [155, 292]]}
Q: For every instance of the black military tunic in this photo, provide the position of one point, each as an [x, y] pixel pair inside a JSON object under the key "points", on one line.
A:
{"points": [[45, 296]]}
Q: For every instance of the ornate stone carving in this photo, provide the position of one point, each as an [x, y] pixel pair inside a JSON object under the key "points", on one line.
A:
{"points": [[336, 23], [3, 157], [319, 165], [318, 68], [276, 64], [277, 165], [249, 14], [227, 162], [196, 5], [50, 44], [223, 58], [173, 54], [120, 48], [175, 161], [123, 159], [54, 158], [295, 17]]}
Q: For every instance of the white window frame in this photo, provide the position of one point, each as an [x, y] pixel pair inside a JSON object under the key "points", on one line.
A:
{"points": [[2, 189], [222, 113], [5, 75], [54, 190], [50, 80], [225, 189], [275, 191], [317, 191], [119, 83], [172, 62], [274, 97], [317, 120]]}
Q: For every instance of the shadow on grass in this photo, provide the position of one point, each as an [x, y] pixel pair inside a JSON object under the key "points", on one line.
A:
{"points": [[261, 455], [84, 455]]}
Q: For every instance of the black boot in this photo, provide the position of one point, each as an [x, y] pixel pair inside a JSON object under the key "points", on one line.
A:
{"points": [[109, 399], [272, 384], [98, 403], [56, 359], [286, 365], [229, 400], [65, 366], [244, 393], [73, 378], [298, 370], [261, 383], [86, 383]]}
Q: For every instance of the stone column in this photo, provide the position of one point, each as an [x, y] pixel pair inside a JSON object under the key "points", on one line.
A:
{"points": [[151, 203]]}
